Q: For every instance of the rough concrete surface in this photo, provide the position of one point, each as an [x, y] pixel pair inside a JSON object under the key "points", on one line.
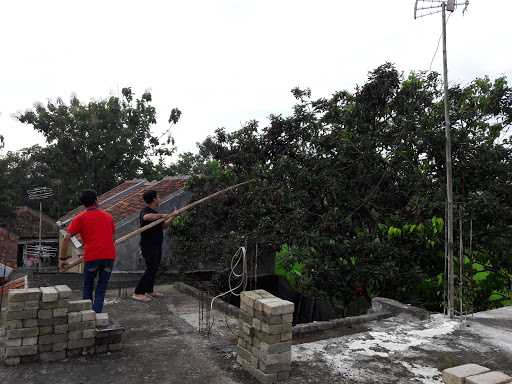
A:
{"points": [[399, 350], [161, 345]]}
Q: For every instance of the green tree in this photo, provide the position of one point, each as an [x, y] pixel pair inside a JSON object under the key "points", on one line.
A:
{"points": [[98, 144], [354, 185], [23, 170]]}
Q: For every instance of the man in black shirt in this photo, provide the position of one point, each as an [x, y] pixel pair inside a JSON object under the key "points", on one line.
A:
{"points": [[151, 247]]}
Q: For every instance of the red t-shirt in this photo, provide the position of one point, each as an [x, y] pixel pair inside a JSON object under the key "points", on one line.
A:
{"points": [[96, 228]]}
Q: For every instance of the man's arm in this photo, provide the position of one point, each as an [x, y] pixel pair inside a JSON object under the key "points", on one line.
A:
{"points": [[153, 216], [63, 253]]}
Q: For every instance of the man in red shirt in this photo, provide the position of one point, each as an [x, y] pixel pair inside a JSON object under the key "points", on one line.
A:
{"points": [[97, 230]]}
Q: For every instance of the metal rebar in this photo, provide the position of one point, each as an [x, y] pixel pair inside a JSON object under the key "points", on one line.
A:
{"points": [[256, 268]]}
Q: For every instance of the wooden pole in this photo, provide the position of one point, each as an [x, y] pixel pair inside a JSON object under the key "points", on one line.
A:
{"points": [[167, 219]]}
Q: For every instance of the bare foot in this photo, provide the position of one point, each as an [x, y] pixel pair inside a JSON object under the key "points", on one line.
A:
{"points": [[142, 298], [155, 294]]}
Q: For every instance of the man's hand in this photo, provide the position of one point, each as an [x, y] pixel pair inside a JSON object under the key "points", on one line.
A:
{"points": [[62, 264], [169, 219], [63, 254]]}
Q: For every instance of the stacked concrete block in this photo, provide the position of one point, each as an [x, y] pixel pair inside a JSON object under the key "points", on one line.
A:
{"points": [[474, 374], [52, 314], [490, 378], [81, 328], [44, 324], [265, 337]]}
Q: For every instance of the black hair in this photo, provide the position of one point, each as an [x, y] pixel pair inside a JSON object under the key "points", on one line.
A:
{"points": [[149, 196], [88, 198]]}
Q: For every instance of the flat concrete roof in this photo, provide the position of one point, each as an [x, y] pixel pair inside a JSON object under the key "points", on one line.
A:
{"points": [[161, 345]]}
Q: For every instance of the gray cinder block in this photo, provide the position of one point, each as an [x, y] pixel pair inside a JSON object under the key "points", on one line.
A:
{"points": [[457, 375]]}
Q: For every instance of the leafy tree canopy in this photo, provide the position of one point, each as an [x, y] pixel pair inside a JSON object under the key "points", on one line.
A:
{"points": [[351, 190], [94, 145]]}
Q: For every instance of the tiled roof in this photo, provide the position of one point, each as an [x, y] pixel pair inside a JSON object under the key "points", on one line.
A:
{"points": [[8, 248], [27, 225], [19, 283], [126, 199], [108, 198]]}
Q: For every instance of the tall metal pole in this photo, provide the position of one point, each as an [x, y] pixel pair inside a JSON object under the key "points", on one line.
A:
{"points": [[40, 233], [449, 177]]}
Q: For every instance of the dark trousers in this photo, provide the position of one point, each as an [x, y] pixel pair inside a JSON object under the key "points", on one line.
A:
{"points": [[102, 269], [152, 256]]}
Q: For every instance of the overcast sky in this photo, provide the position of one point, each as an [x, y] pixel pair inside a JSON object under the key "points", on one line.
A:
{"points": [[223, 62]]}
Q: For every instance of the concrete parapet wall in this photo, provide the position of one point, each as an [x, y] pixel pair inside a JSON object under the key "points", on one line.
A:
{"points": [[319, 326]]}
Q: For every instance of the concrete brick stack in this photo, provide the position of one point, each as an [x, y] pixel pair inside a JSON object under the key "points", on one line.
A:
{"points": [[44, 324], [52, 321], [474, 374], [21, 326], [81, 328], [265, 337]]}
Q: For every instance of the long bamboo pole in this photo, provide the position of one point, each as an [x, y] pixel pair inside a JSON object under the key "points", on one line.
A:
{"points": [[166, 220]]}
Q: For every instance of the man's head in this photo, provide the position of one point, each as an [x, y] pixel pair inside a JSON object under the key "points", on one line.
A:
{"points": [[88, 198], [151, 198]]}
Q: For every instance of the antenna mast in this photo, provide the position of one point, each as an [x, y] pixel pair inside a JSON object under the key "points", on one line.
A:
{"points": [[423, 8]]}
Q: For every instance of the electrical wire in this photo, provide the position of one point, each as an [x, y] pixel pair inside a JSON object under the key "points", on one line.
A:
{"points": [[242, 279], [438, 43]]}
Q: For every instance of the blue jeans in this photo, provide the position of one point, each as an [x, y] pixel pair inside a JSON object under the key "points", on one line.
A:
{"points": [[102, 269]]}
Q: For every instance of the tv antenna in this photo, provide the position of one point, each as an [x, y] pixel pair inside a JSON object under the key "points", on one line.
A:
{"points": [[40, 252], [423, 8]]}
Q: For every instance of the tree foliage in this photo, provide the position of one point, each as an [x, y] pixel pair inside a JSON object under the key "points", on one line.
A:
{"points": [[353, 187], [94, 145]]}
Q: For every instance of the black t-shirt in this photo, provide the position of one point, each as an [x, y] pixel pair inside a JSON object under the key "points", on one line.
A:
{"points": [[151, 237]]}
